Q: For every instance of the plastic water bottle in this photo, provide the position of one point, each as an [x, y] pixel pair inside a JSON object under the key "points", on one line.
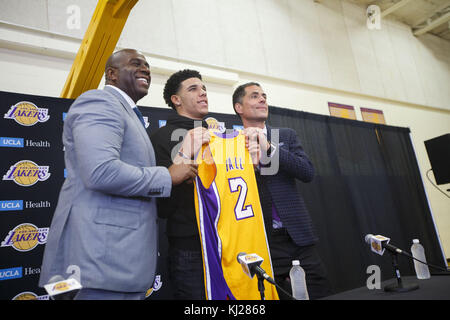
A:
{"points": [[298, 281], [418, 252]]}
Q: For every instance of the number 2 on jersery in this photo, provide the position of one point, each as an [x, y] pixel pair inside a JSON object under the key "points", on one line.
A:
{"points": [[240, 209]]}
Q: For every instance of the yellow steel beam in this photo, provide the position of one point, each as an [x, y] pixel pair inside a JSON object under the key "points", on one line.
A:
{"points": [[98, 44]]}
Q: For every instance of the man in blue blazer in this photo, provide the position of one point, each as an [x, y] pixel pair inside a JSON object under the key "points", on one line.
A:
{"points": [[281, 160], [105, 224]]}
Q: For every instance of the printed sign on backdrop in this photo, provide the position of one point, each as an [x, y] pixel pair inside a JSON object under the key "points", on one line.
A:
{"points": [[31, 174], [342, 110], [373, 115]]}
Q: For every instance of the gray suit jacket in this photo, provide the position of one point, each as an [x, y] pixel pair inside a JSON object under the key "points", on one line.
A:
{"points": [[105, 221]]}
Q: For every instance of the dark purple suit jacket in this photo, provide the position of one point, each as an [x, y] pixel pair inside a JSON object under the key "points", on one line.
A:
{"points": [[289, 203]]}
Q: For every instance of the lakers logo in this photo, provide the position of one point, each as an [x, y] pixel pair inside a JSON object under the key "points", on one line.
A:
{"points": [[61, 286], [26, 173], [27, 113], [251, 259], [157, 284], [25, 237], [376, 246], [26, 296], [30, 296], [215, 125]]}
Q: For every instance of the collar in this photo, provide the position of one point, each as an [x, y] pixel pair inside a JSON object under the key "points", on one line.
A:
{"points": [[125, 96], [265, 130], [178, 121]]}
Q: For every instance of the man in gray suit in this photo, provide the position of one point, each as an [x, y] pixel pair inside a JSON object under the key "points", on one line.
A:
{"points": [[105, 223]]}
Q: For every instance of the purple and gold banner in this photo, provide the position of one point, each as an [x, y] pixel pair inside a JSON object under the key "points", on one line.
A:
{"points": [[341, 110], [373, 115], [32, 172]]}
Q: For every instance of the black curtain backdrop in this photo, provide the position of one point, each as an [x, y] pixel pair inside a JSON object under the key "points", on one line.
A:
{"points": [[367, 181]]}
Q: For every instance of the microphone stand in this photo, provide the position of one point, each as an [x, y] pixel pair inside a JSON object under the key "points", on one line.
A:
{"points": [[261, 285], [271, 281], [399, 286]]}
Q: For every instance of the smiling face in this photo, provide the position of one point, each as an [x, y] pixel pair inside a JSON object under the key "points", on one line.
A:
{"points": [[129, 71], [253, 106], [191, 99]]}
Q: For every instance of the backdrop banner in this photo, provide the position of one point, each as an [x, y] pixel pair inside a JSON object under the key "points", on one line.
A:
{"points": [[32, 173], [367, 181]]}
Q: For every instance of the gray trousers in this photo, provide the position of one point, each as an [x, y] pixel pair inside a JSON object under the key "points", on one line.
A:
{"points": [[98, 294]]}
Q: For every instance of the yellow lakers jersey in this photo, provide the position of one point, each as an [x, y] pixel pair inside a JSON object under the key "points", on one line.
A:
{"points": [[229, 218]]}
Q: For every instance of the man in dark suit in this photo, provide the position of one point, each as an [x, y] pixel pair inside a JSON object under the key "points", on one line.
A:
{"points": [[280, 159]]}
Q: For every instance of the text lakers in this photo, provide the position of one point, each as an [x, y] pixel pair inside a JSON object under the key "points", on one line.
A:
{"points": [[26, 173], [27, 113], [25, 237]]}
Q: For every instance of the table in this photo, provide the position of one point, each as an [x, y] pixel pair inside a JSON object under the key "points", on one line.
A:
{"points": [[435, 288]]}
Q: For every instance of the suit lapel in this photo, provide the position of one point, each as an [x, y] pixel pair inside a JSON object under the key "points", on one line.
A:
{"points": [[133, 115], [269, 134], [122, 101]]}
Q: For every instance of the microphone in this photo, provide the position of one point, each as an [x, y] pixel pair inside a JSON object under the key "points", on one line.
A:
{"points": [[250, 264], [379, 243], [60, 289]]}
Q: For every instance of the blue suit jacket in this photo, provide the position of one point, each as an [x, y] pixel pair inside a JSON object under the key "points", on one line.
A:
{"points": [[105, 224], [293, 164]]}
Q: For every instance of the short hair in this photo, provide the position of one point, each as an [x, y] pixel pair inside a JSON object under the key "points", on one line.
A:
{"points": [[113, 60], [174, 82], [239, 93]]}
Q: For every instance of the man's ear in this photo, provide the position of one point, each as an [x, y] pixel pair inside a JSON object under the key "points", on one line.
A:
{"points": [[238, 108], [111, 75], [176, 100]]}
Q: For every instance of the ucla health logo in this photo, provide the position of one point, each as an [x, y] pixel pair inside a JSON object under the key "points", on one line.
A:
{"points": [[27, 113], [26, 173], [11, 142], [20, 143], [25, 237], [11, 205], [11, 273]]}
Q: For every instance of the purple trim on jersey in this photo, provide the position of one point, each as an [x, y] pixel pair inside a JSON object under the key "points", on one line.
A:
{"points": [[214, 272], [227, 134]]}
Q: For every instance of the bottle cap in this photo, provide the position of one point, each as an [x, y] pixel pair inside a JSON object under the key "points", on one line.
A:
{"points": [[295, 262], [415, 240]]}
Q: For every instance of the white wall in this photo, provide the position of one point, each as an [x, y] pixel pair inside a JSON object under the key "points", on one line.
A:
{"points": [[305, 54], [326, 44]]}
